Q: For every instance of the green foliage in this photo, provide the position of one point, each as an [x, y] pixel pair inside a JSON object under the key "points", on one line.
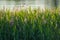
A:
{"points": [[28, 24]]}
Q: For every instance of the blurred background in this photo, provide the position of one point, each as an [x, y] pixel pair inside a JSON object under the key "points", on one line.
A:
{"points": [[33, 3]]}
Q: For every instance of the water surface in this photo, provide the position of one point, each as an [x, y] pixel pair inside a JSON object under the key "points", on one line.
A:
{"points": [[26, 3]]}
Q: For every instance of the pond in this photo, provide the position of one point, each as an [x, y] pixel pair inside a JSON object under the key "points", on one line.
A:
{"points": [[26, 3]]}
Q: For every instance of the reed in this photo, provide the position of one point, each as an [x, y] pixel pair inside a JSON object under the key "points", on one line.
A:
{"points": [[28, 24]]}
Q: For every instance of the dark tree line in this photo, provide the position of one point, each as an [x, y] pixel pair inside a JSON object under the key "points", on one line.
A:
{"points": [[55, 3]]}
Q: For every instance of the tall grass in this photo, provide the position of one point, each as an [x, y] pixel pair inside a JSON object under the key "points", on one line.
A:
{"points": [[30, 24]]}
